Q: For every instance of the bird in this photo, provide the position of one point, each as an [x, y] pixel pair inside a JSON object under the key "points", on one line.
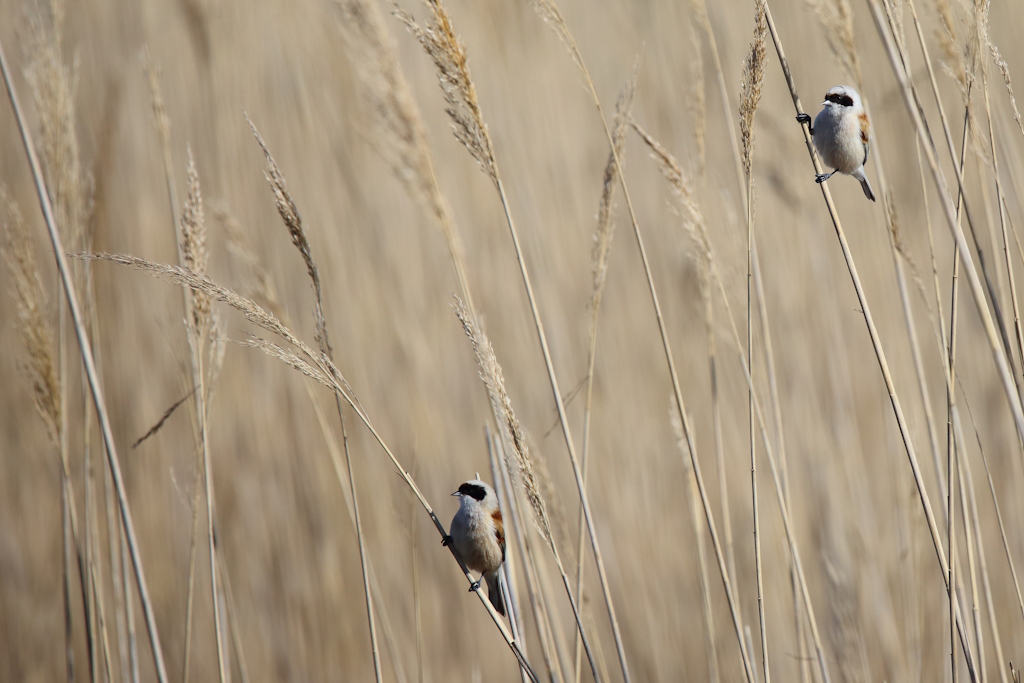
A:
{"points": [[842, 135], [478, 535]]}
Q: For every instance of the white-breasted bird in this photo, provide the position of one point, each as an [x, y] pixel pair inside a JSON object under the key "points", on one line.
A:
{"points": [[478, 536], [842, 135]]}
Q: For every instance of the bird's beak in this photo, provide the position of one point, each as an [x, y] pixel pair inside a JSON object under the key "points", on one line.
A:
{"points": [[824, 103], [456, 493]]}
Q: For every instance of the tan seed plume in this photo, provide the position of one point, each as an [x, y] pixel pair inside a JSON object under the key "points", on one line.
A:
{"points": [[36, 333], [193, 247], [515, 441], [446, 50], [605, 224], [753, 77]]}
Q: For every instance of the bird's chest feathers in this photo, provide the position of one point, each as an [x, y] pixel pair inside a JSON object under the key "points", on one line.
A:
{"points": [[475, 539], [838, 139]]}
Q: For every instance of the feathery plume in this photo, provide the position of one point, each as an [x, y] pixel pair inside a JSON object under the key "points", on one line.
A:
{"points": [[753, 76], [512, 433], [449, 55], [36, 333], [605, 224], [193, 246]]}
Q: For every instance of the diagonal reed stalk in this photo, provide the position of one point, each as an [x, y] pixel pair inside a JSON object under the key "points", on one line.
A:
{"points": [[316, 366], [196, 311], [974, 282], [602, 248], [549, 12], [293, 222], [90, 370], [674, 174], [872, 332], [448, 54], [265, 291], [402, 140], [515, 442]]}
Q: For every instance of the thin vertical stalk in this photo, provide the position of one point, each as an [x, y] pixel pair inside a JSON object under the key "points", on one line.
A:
{"points": [[90, 370], [983, 567], [977, 291], [970, 541], [758, 571], [69, 642], [866, 311], [362, 549], [507, 585], [676, 388]]}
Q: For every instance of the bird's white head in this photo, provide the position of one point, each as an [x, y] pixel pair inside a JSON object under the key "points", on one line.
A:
{"points": [[475, 492], [843, 98]]}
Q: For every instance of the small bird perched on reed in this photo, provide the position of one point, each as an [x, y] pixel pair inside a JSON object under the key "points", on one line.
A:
{"points": [[478, 536], [842, 135]]}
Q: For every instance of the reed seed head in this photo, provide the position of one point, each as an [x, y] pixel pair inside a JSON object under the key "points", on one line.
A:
{"points": [[449, 56], [753, 77]]}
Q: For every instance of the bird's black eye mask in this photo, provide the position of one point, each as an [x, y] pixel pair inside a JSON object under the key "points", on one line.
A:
{"points": [[473, 491], [843, 100]]}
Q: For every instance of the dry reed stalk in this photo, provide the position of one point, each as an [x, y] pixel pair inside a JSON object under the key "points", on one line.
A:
{"points": [[336, 456], [693, 221], [700, 13], [972, 571], [236, 638], [312, 364], [899, 255], [697, 228], [837, 21], [998, 327], [1002, 527], [42, 370], [753, 77], [503, 489], [441, 44], [548, 11], [114, 545], [289, 213], [873, 332], [701, 17], [401, 138], [524, 546], [52, 84], [599, 260], [163, 128], [981, 20], [525, 470], [705, 593], [90, 368], [194, 256]]}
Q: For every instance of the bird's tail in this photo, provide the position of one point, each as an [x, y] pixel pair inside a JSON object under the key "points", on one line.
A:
{"points": [[494, 592], [865, 185]]}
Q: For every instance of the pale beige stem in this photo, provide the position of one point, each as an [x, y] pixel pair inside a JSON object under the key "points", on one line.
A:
{"points": [[866, 311], [91, 374]]}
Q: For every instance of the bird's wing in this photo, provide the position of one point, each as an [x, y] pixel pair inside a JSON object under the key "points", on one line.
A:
{"points": [[499, 532], [865, 135]]}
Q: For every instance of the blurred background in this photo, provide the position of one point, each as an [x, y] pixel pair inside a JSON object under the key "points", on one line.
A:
{"points": [[287, 547]]}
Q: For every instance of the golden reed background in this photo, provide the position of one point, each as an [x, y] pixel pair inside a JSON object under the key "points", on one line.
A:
{"points": [[284, 536]]}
